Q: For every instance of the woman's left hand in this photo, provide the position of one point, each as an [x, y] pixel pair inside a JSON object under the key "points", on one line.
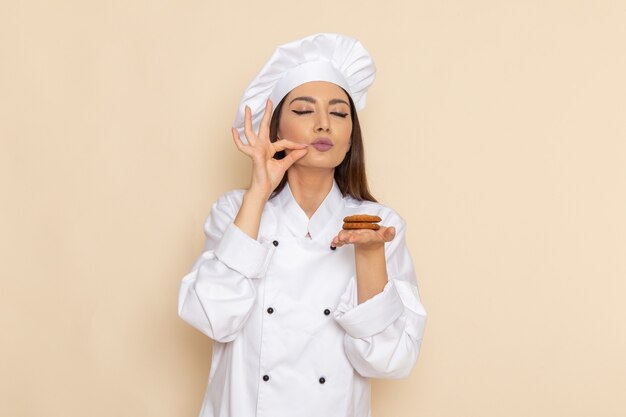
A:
{"points": [[364, 239]]}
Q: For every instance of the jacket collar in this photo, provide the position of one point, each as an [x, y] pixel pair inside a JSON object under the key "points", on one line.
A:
{"points": [[295, 220]]}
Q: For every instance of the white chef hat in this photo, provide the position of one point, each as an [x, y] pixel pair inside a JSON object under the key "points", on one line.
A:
{"points": [[332, 57]]}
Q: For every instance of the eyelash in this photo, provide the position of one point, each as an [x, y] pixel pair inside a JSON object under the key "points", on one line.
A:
{"points": [[342, 115]]}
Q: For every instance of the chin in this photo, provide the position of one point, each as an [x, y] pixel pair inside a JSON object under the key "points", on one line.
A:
{"points": [[319, 161], [315, 166]]}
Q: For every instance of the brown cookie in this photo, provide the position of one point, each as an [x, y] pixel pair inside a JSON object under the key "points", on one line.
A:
{"points": [[354, 225], [362, 218]]}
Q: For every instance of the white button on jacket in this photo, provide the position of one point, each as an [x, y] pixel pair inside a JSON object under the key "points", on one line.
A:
{"points": [[290, 339]]}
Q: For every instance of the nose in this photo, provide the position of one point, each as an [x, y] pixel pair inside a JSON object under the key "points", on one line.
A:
{"points": [[322, 122]]}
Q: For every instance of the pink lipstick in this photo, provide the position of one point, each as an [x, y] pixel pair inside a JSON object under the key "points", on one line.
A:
{"points": [[322, 144]]}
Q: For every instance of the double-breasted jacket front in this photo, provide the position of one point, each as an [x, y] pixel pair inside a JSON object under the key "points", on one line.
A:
{"points": [[289, 337]]}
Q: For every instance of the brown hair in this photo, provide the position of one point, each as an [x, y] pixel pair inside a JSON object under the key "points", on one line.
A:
{"points": [[350, 173]]}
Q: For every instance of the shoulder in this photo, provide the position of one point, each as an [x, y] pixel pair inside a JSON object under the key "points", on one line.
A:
{"points": [[223, 212], [229, 201], [389, 217]]}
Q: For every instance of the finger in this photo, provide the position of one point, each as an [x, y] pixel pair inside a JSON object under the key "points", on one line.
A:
{"points": [[361, 236], [292, 157], [386, 233], [237, 139], [340, 239], [345, 237], [389, 234], [336, 242], [282, 144], [264, 130], [247, 126]]}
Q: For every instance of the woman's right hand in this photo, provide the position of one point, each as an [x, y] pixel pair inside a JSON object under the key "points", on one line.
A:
{"points": [[267, 172]]}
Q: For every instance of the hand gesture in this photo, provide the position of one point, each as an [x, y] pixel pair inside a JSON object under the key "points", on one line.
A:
{"points": [[364, 239], [267, 172]]}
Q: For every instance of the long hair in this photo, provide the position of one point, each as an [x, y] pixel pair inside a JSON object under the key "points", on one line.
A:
{"points": [[350, 173]]}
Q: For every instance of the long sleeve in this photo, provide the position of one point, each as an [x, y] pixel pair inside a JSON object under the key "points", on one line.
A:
{"points": [[216, 297], [384, 334]]}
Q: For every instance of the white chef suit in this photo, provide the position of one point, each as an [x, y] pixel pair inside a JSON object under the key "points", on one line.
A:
{"points": [[290, 339]]}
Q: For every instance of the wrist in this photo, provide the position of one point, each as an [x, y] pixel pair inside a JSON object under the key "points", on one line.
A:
{"points": [[372, 249], [257, 195]]}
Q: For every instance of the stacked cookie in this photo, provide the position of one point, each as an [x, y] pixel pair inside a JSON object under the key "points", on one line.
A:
{"points": [[361, 221]]}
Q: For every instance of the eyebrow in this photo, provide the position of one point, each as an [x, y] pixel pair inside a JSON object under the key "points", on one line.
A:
{"points": [[312, 100]]}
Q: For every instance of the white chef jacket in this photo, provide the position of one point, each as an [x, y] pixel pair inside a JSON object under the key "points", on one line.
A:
{"points": [[290, 339]]}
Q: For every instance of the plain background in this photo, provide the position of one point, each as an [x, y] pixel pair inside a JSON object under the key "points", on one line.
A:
{"points": [[495, 128]]}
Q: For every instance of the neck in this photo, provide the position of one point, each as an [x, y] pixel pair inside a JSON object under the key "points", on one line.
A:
{"points": [[310, 187]]}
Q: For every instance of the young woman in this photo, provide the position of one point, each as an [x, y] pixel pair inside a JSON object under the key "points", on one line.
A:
{"points": [[301, 311]]}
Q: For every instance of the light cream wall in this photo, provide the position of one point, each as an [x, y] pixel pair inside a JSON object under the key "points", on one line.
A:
{"points": [[495, 128]]}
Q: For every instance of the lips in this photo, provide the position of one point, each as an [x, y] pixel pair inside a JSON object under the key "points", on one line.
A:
{"points": [[322, 144]]}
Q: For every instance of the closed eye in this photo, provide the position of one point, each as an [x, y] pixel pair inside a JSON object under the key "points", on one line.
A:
{"points": [[335, 113]]}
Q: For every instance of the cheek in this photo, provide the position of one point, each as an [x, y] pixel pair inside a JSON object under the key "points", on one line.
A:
{"points": [[345, 133], [280, 129], [287, 129]]}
